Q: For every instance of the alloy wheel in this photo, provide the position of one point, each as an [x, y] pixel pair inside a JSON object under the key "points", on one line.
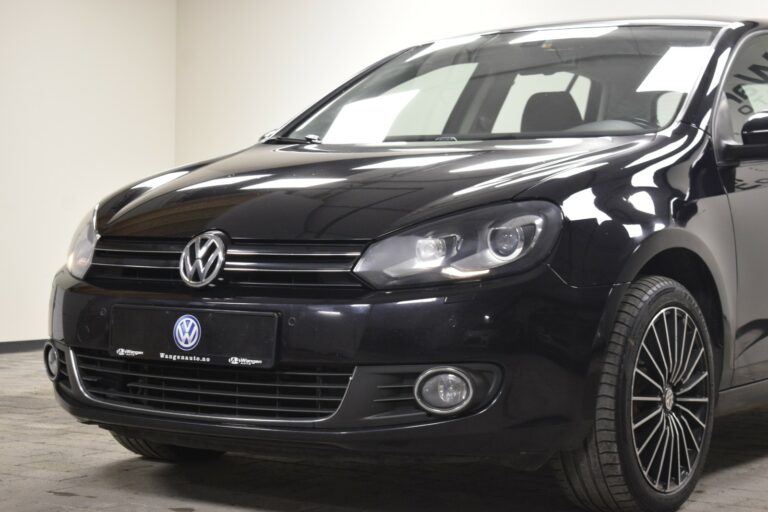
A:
{"points": [[670, 400]]}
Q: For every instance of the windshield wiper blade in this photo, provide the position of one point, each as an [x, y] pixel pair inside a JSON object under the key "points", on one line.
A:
{"points": [[309, 139]]}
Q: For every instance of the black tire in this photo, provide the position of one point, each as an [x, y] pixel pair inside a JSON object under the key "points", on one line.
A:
{"points": [[613, 469], [165, 452]]}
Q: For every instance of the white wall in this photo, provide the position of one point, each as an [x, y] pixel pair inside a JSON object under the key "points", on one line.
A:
{"points": [[87, 93], [97, 93], [246, 66]]}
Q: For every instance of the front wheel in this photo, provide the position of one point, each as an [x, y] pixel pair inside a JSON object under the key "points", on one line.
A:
{"points": [[653, 421]]}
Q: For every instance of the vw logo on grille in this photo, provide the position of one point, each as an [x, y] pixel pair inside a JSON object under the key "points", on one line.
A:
{"points": [[187, 332], [202, 259]]}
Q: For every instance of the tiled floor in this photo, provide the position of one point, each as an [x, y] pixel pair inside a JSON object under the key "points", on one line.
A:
{"points": [[49, 462]]}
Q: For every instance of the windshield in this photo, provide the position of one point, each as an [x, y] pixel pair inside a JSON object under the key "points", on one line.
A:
{"points": [[565, 82]]}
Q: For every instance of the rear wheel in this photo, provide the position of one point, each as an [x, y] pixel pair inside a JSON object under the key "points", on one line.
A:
{"points": [[653, 421], [165, 452]]}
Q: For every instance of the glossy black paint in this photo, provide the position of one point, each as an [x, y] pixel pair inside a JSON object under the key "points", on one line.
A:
{"points": [[380, 190], [671, 202]]}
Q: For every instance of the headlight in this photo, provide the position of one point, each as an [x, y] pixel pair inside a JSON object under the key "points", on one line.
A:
{"points": [[490, 241], [83, 245]]}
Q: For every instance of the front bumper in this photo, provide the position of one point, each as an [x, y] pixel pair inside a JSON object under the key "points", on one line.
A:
{"points": [[541, 334]]}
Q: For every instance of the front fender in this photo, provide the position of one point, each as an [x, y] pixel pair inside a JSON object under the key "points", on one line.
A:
{"points": [[620, 217]]}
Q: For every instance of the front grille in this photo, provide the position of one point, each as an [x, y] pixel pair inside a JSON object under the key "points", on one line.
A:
{"points": [[296, 393], [292, 264], [324, 264]]}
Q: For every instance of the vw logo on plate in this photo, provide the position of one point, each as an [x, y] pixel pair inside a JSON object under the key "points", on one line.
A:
{"points": [[187, 332], [202, 259]]}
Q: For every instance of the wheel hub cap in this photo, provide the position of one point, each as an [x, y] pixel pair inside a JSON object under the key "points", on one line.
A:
{"points": [[669, 399]]}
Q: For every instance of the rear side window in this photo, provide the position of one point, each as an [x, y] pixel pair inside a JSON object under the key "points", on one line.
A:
{"points": [[746, 86]]}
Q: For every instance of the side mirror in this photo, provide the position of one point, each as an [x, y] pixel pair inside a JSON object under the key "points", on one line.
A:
{"points": [[754, 134], [755, 130]]}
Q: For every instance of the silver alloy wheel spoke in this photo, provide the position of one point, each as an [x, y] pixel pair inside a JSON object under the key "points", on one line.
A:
{"points": [[666, 336], [696, 400], [690, 431], [688, 411], [682, 348], [661, 351], [650, 436], [676, 345], [646, 377], [677, 444], [685, 443], [670, 344], [653, 361], [693, 366], [662, 437], [672, 446], [690, 351], [688, 387], [670, 399], [663, 455], [647, 419]]}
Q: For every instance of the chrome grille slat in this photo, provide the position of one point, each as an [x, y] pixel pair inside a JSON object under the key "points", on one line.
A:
{"points": [[299, 398], [214, 405], [108, 359], [256, 252], [260, 267], [204, 381], [127, 265], [290, 394], [272, 264], [140, 251]]}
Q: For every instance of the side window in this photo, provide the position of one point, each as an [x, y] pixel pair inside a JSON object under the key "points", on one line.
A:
{"points": [[510, 116], [746, 86]]}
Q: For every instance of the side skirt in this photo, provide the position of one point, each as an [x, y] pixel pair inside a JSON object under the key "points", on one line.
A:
{"points": [[742, 398]]}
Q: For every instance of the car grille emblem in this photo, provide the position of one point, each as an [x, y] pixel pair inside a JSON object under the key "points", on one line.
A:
{"points": [[187, 332], [202, 259]]}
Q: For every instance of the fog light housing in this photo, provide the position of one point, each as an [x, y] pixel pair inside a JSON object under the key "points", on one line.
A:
{"points": [[444, 390], [52, 362]]}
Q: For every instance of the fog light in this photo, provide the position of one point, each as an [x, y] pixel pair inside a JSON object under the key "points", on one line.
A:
{"points": [[444, 390], [51, 356]]}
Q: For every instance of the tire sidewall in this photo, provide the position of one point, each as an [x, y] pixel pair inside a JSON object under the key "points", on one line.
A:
{"points": [[669, 293]]}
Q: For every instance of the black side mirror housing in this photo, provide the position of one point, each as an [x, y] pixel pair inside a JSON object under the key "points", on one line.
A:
{"points": [[755, 130], [754, 135]]}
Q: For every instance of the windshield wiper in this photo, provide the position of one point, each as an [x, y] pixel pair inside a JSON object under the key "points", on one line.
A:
{"points": [[309, 139]]}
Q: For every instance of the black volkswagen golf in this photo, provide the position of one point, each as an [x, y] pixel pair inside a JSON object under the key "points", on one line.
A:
{"points": [[542, 245]]}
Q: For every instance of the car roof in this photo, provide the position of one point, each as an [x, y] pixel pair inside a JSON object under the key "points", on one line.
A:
{"points": [[718, 22], [703, 22]]}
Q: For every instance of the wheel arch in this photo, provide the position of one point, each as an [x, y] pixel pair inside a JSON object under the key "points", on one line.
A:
{"points": [[680, 255]]}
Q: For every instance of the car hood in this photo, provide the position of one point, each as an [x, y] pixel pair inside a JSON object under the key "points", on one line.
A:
{"points": [[320, 192]]}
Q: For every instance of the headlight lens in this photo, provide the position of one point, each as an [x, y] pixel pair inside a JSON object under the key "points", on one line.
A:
{"points": [[83, 246], [501, 239]]}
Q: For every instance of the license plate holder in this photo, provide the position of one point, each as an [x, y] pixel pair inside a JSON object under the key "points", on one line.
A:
{"points": [[225, 337]]}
